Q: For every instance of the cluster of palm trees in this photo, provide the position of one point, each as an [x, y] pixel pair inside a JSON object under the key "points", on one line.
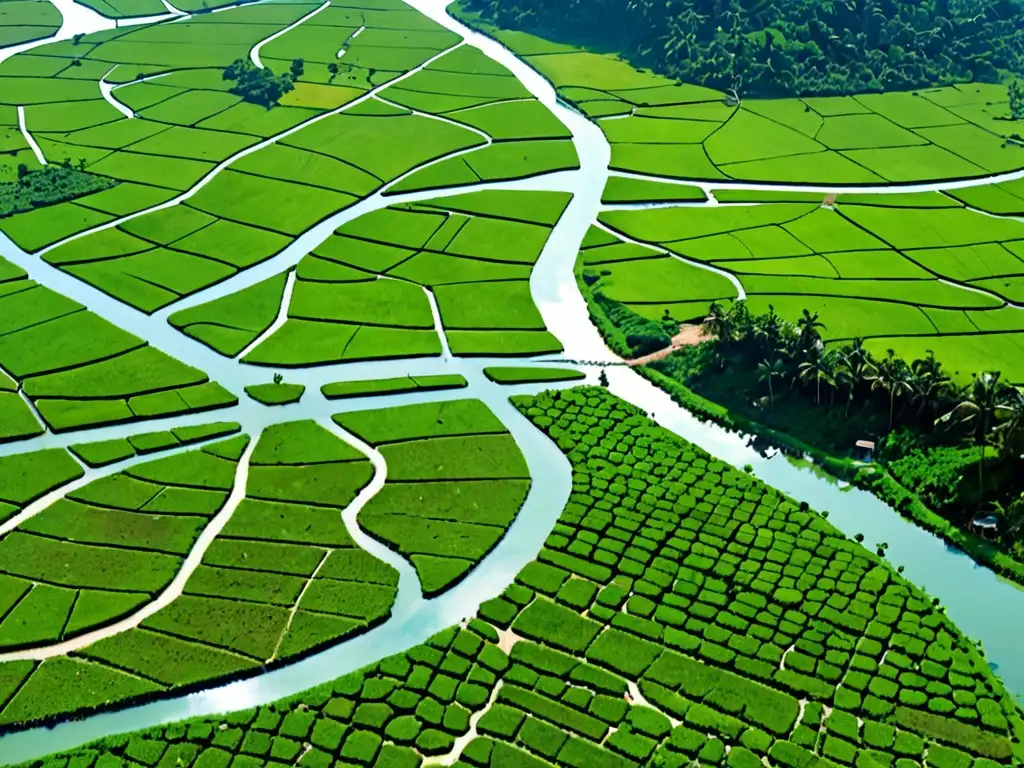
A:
{"points": [[917, 394]]}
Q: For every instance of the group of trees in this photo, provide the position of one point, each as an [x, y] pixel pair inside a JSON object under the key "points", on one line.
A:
{"points": [[787, 47], [260, 85], [54, 183], [919, 395]]}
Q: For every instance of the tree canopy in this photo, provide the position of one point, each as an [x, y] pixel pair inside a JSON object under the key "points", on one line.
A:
{"points": [[256, 85], [787, 47]]}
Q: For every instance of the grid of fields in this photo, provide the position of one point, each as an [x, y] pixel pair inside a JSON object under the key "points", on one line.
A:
{"points": [[240, 181], [679, 612], [360, 294], [110, 546], [661, 127], [386, 211], [907, 272], [24, 20], [78, 370], [282, 577], [456, 481]]}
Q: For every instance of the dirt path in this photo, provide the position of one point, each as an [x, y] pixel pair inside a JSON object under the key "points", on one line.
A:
{"points": [[688, 336]]}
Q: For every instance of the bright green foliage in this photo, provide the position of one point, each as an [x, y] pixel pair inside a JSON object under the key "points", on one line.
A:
{"points": [[708, 656], [527, 375], [53, 184], [372, 387], [451, 491], [276, 394]]}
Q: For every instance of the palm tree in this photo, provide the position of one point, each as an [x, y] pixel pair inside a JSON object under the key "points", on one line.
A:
{"points": [[741, 319], [892, 375], [768, 372], [1009, 433], [768, 331], [846, 381], [718, 323], [931, 384], [818, 368], [809, 325], [980, 406]]}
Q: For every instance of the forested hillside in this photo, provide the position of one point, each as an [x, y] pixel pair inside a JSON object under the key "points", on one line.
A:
{"points": [[786, 47]]}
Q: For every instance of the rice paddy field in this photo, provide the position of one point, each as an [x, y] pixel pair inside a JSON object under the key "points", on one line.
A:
{"points": [[25, 20], [279, 379], [661, 127], [906, 272], [685, 614]]}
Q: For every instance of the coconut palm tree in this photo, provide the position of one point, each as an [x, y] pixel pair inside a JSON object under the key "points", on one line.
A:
{"points": [[817, 368], [768, 372], [977, 411], [845, 381], [931, 384], [768, 331], [892, 375], [718, 323], [809, 327], [1009, 432]]}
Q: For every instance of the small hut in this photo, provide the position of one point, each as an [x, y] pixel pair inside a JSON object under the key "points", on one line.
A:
{"points": [[986, 525], [864, 450]]}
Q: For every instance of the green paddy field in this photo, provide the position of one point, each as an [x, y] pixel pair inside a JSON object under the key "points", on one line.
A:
{"points": [[279, 380]]}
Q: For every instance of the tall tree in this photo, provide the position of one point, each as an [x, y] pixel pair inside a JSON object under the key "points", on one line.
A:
{"points": [[767, 372], [931, 385], [977, 411], [892, 375], [809, 326]]}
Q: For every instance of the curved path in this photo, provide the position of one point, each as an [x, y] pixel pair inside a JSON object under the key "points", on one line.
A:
{"points": [[564, 311], [79, 19], [254, 54], [169, 594]]}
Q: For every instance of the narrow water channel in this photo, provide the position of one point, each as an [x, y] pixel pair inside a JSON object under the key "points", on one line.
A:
{"points": [[986, 607]]}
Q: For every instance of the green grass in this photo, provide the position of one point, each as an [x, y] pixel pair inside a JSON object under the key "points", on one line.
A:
{"points": [[309, 342], [643, 596], [424, 420], [276, 394], [499, 305], [231, 323], [380, 302], [102, 453], [624, 190], [531, 374], [281, 206], [372, 387], [25, 477], [455, 458], [16, 418], [299, 443], [513, 120], [503, 343], [370, 142]]}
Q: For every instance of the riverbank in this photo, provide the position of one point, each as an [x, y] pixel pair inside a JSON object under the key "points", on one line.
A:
{"points": [[870, 477]]}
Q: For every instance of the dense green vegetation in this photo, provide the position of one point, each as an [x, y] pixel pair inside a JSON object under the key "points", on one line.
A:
{"points": [[281, 579], [679, 613], [786, 48], [456, 481], [257, 85], [957, 447], [369, 388], [48, 186], [276, 393]]}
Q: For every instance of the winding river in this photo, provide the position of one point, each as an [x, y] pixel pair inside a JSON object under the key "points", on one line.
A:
{"points": [[986, 607]]}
